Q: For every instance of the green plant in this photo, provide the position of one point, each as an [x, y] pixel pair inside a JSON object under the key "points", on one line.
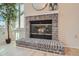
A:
{"points": [[9, 13]]}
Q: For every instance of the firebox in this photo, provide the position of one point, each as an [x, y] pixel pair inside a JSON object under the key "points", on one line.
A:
{"points": [[41, 29]]}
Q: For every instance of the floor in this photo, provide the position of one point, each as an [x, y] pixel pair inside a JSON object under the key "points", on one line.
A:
{"points": [[71, 51], [13, 50]]}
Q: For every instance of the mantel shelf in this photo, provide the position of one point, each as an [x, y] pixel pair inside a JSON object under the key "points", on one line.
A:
{"points": [[42, 13]]}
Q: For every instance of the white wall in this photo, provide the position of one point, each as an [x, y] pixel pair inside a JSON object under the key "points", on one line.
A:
{"points": [[68, 22], [30, 11]]}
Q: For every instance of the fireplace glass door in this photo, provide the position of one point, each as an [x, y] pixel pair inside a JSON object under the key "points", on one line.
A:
{"points": [[41, 29]]}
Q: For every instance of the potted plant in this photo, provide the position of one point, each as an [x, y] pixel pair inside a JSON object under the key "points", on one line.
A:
{"points": [[9, 13]]}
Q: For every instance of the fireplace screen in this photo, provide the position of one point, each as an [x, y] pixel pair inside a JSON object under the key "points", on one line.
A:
{"points": [[41, 29]]}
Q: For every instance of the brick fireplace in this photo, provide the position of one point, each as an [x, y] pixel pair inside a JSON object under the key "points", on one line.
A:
{"points": [[41, 32], [50, 19]]}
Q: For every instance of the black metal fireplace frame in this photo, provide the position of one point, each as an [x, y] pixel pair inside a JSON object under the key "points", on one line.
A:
{"points": [[48, 37]]}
